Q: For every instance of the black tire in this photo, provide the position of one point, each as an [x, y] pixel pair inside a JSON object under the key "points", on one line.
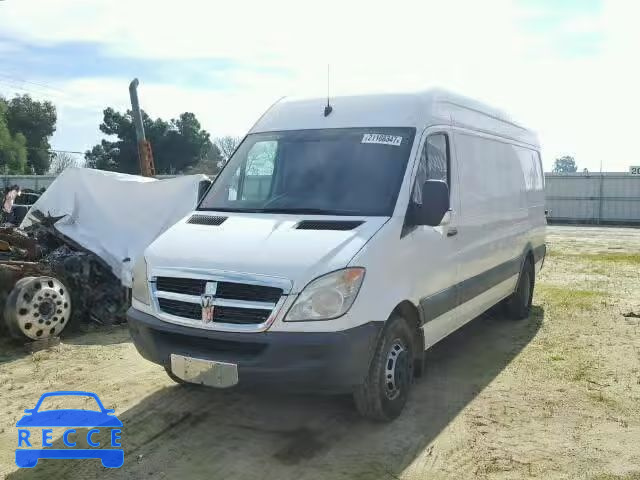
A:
{"points": [[518, 305], [383, 396], [9, 320]]}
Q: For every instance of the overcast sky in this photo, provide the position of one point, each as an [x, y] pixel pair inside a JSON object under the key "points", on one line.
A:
{"points": [[568, 69]]}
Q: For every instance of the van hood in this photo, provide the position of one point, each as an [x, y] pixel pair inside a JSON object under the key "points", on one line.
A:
{"points": [[261, 244]]}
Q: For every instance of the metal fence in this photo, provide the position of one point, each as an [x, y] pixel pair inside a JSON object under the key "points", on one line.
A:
{"points": [[607, 198], [38, 182], [28, 182], [600, 198]]}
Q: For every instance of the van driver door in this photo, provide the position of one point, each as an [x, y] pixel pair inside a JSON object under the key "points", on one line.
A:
{"points": [[437, 247]]}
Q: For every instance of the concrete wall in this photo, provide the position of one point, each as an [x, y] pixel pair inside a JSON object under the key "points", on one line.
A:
{"points": [[607, 198], [31, 182]]}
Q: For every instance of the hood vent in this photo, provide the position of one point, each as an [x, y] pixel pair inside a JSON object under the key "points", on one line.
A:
{"points": [[328, 224], [206, 220]]}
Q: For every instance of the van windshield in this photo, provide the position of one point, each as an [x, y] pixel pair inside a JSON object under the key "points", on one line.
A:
{"points": [[351, 171]]}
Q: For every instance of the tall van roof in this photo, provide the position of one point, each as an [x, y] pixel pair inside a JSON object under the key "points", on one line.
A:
{"points": [[418, 109]]}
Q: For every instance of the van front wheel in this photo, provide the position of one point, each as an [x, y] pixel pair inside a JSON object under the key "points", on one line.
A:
{"points": [[384, 393], [518, 305]]}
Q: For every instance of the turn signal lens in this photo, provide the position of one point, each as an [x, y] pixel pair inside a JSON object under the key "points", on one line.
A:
{"points": [[140, 289]]}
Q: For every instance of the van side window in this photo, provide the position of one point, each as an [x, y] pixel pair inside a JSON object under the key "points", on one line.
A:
{"points": [[531, 170], [434, 163]]}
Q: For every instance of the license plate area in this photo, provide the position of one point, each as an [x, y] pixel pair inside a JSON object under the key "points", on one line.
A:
{"points": [[204, 372]]}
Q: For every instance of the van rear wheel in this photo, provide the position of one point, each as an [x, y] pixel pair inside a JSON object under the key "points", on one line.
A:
{"points": [[384, 393], [518, 305]]}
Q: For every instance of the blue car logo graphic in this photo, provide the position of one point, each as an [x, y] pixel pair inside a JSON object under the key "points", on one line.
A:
{"points": [[69, 418]]}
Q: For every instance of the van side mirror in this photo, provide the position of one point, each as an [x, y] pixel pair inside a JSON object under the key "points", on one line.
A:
{"points": [[435, 203], [203, 188]]}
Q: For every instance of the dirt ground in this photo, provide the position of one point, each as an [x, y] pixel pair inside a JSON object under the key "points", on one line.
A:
{"points": [[556, 396]]}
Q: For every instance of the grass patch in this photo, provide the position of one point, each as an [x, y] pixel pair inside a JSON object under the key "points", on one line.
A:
{"points": [[593, 270], [572, 367], [604, 257], [581, 372], [599, 397], [612, 476], [569, 298], [632, 258]]}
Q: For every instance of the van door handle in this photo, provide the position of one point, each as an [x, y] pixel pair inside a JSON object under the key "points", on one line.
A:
{"points": [[452, 232]]}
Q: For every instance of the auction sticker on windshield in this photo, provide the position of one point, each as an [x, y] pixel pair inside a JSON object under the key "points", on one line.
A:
{"points": [[382, 139]]}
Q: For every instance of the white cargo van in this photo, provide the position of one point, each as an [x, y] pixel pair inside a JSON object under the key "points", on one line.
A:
{"points": [[339, 243]]}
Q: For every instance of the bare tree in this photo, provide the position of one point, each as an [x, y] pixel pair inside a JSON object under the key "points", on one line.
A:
{"points": [[61, 161], [227, 145]]}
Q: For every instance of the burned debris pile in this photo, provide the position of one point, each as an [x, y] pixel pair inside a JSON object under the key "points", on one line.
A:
{"points": [[78, 243], [96, 293], [48, 281]]}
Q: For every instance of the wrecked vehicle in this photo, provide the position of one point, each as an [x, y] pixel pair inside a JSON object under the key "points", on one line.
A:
{"points": [[70, 260], [59, 274]]}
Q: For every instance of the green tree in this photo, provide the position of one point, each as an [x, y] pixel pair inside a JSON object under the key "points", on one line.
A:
{"points": [[566, 164], [98, 158], [209, 165], [37, 122], [13, 148], [178, 145]]}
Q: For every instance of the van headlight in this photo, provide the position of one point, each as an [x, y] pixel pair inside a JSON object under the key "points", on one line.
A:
{"points": [[140, 290], [327, 297]]}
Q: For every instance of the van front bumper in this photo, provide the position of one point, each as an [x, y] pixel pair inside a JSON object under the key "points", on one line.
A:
{"points": [[313, 362]]}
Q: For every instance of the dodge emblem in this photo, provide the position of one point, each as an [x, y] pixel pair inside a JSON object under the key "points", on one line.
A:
{"points": [[207, 300]]}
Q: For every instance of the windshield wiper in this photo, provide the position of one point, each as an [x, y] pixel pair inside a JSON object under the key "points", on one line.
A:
{"points": [[301, 211], [231, 210], [309, 211]]}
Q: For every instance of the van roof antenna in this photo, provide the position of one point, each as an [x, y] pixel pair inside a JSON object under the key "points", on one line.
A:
{"points": [[328, 109]]}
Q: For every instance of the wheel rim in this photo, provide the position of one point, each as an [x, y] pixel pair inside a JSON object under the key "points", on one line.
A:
{"points": [[42, 307], [397, 369]]}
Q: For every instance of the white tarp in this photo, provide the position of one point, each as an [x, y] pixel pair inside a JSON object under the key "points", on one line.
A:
{"points": [[114, 215]]}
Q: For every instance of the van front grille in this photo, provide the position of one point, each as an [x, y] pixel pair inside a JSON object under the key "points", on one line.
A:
{"points": [[193, 311], [180, 309], [228, 290], [188, 286], [233, 303]]}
